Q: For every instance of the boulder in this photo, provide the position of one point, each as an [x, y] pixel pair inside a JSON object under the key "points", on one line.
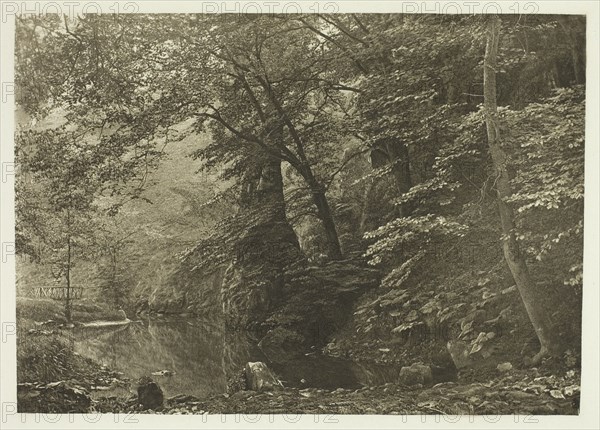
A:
{"points": [[150, 395], [459, 351], [236, 382], [416, 374], [260, 378]]}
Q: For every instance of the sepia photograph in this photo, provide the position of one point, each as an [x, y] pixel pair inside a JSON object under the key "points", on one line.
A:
{"points": [[302, 212]]}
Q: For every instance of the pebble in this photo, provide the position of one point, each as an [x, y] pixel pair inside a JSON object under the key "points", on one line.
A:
{"points": [[504, 367]]}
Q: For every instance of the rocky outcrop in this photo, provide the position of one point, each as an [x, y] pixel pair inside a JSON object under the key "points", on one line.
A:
{"points": [[190, 290], [254, 281], [262, 255], [318, 300], [281, 344]]}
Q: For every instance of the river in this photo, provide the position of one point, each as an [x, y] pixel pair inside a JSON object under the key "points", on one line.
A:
{"points": [[200, 357]]}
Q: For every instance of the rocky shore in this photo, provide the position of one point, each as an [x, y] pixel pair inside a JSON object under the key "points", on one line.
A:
{"points": [[515, 392]]}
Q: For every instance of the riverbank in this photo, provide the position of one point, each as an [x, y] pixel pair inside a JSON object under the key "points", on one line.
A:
{"points": [[517, 393], [32, 312], [53, 378]]}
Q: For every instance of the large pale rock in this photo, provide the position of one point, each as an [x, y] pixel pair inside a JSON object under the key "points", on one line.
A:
{"points": [[459, 351], [504, 367], [415, 374], [260, 378]]}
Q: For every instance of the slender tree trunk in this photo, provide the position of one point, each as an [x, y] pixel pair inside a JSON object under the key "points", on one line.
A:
{"points": [[68, 278], [317, 190], [399, 157], [115, 290], [268, 195], [512, 253], [365, 224], [569, 25], [324, 212]]}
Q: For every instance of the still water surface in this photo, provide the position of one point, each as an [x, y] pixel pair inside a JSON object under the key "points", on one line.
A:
{"points": [[201, 357]]}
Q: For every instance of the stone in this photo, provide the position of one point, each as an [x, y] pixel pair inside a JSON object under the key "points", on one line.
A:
{"points": [[415, 374], [459, 351], [260, 378], [182, 398], [150, 395], [504, 367], [163, 373]]}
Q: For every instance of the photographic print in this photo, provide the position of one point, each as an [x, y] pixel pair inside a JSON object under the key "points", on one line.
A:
{"points": [[300, 212]]}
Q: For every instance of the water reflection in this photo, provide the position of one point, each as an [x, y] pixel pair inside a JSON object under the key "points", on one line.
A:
{"points": [[202, 356]]}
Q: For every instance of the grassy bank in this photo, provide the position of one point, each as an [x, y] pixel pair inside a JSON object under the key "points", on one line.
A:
{"points": [[30, 310], [45, 354]]}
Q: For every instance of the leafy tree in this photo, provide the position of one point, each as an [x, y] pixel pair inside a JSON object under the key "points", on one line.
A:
{"points": [[264, 95], [512, 251], [453, 179], [55, 164]]}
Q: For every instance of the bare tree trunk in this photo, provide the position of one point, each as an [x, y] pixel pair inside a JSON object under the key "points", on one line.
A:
{"points": [[324, 213], [399, 157], [512, 253], [68, 278], [365, 224], [576, 42]]}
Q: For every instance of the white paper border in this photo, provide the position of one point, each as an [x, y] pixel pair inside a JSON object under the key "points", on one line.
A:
{"points": [[590, 399]]}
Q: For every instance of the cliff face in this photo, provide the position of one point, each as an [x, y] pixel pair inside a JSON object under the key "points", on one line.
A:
{"points": [[190, 292]]}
